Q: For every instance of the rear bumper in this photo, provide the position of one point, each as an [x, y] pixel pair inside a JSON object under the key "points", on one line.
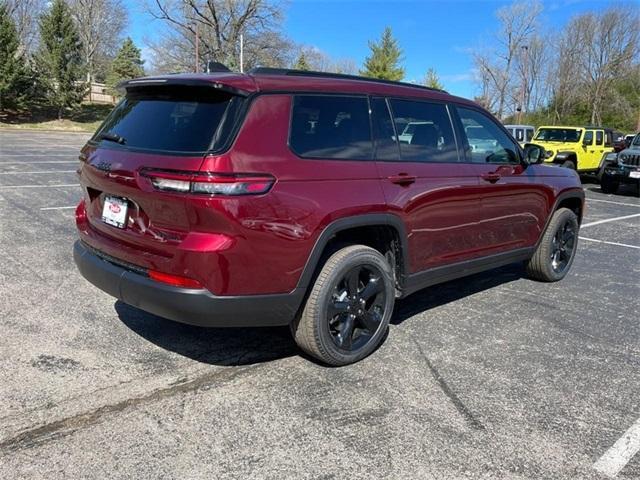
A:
{"points": [[192, 306]]}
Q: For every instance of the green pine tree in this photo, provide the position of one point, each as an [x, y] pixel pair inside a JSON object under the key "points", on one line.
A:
{"points": [[13, 73], [385, 58], [432, 80], [126, 65], [59, 59], [302, 63]]}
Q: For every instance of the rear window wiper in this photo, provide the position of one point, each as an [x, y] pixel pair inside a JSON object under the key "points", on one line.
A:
{"points": [[111, 137]]}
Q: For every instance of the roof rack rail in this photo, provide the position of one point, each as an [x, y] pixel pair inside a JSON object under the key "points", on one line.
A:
{"points": [[312, 73]]}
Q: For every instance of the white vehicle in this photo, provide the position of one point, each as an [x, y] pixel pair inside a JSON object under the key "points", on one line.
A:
{"points": [[522, 133]]}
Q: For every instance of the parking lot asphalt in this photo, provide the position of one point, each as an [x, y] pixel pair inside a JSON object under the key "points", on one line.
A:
{"points": [[491, 376]]}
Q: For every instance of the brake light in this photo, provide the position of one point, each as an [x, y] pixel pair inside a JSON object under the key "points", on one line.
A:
{"points": [[175, 280], [81, 212], [208, 183]]}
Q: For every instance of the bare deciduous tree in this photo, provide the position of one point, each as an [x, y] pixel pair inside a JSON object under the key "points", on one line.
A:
{"points": [[322, 62], [100, 24], [563, 78], [609, 43], [218, 24], [496, 67], [26, 14]]}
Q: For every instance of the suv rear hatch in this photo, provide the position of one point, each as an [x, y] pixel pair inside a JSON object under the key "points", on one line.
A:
{"points": [[159, 129]]}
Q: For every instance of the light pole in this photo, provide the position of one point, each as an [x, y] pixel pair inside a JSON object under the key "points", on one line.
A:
{"points": [[523, 93], [197, 61], [241, 53]]}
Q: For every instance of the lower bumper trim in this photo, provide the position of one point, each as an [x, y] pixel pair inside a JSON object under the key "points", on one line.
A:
{"points": [[192, 306]]}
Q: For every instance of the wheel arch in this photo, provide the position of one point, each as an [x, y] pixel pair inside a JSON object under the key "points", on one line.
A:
{"points": [[381, 231], [572, 199], [563, 156]]}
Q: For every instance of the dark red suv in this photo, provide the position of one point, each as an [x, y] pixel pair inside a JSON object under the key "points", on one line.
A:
{"points": [[312, 200]]}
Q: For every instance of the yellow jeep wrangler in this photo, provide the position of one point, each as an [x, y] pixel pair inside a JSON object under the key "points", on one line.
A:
{"points": [[581, 148]]}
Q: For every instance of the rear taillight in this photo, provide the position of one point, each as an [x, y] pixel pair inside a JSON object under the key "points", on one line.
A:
{"points": [[208, 183], [81, 212], [175, 280]]}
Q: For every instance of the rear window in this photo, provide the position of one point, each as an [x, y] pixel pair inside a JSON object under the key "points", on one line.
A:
{"points": [[334, 127], [519, 134], [187, 120]]}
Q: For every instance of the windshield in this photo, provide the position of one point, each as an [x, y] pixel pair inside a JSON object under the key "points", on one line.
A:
{"points": [[636, 141], [559, 134], [175, 120]]}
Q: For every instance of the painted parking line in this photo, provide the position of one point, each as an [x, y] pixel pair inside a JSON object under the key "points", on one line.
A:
{"points": [[589, 199], [7, 187], [607, 220], [40, 171], [39, 162], [622, 451], [586, 239], [58, 208], [36, 154]]}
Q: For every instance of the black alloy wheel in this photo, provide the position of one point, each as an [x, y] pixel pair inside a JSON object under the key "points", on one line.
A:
{"points": [[556, 249], [563, 244], [346, 315], [356, 307]]}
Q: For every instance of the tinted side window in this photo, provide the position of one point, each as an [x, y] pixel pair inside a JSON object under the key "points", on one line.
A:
{"points": [[324, 126], [424, 131], [486, 142], [599, 137], [588, 137], [529, 135], [608, 139], [383, 131]]}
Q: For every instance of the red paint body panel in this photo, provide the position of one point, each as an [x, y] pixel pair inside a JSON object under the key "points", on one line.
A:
{"points": [[250, 245]]}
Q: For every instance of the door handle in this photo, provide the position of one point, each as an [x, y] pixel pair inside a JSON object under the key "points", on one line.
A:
{"points": [[490, 177], [402, 179]]}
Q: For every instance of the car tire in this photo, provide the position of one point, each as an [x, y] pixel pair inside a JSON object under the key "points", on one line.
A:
{"points": [[557, 248], [608, 184], [347, 313], [568, 164]]}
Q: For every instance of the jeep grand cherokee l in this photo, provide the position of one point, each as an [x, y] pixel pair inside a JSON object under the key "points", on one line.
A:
{"points": [[291, 198]]}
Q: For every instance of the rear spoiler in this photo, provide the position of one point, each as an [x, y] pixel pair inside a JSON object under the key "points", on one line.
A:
{"points": [[177, 81]]}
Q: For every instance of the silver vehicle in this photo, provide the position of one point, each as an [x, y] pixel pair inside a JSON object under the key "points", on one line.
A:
{"points": [[522, 133]]}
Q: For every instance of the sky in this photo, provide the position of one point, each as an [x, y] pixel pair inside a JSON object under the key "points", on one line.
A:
{"points": [[436, 34]]}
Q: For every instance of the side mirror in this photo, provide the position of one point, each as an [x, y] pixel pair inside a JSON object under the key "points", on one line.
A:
{"points": [[534, 154]]}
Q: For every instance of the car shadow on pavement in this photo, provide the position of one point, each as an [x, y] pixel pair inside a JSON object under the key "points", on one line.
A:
{"points": [[444, 293], [243, 346], [216, 346]]}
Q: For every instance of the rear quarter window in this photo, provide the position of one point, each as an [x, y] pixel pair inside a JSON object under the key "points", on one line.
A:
{"points": [[177, 120], [427, 135], [333, 127]]}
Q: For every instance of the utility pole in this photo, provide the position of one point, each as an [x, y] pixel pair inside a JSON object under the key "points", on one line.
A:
{"points": [[523, 93], [241, 53], [197, 59]]}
